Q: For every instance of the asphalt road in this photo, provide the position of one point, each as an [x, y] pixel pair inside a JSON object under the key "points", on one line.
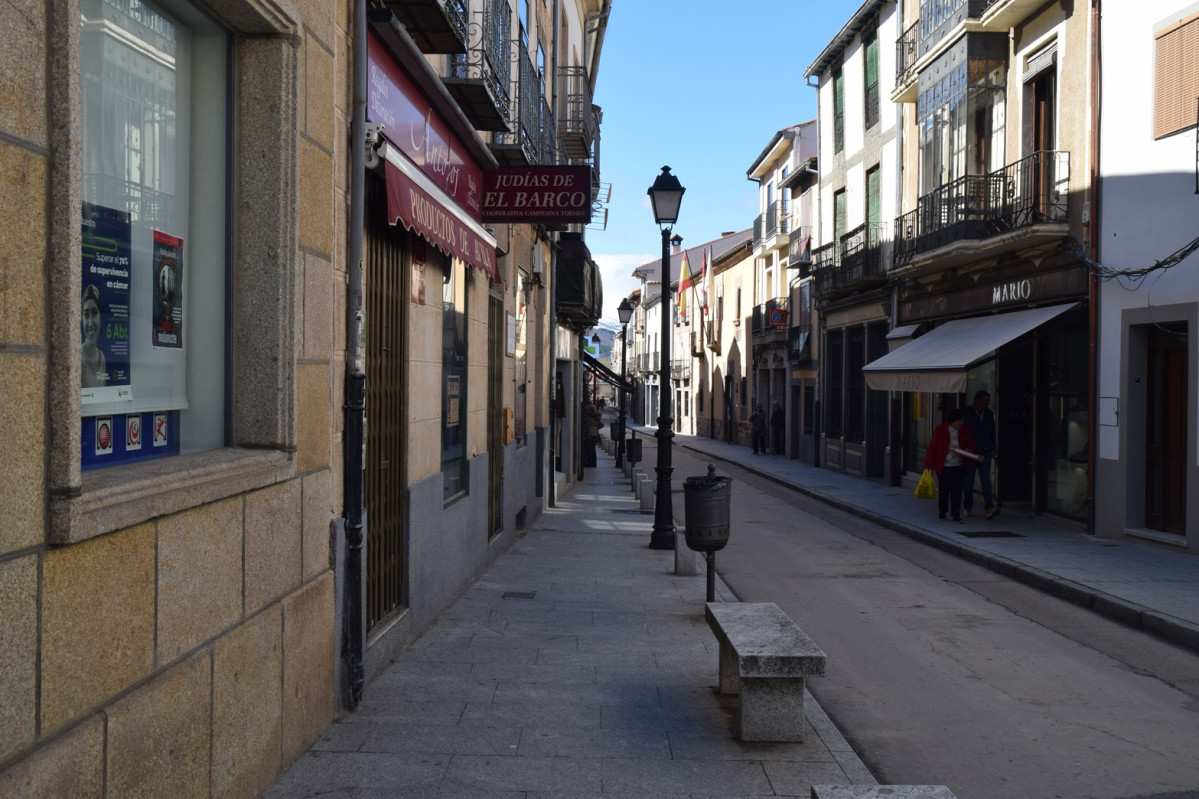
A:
{"points": [[942, 672]]}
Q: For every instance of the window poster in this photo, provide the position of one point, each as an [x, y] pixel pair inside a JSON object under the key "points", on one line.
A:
{"points": [[167, 301], [104, 353]]}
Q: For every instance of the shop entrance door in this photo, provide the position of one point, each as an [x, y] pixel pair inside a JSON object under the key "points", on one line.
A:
{"points": [[1166, 433], [1015, 401], [386, 430]]}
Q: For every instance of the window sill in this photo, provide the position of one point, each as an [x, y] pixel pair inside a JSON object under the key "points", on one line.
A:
{"points": [[116, 498]]}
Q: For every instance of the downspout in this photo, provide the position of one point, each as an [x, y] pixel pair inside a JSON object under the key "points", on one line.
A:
{"points": [[895, 404], [1093, 253], [817, 405], [353, 447], [554, 423], [552, 240]]}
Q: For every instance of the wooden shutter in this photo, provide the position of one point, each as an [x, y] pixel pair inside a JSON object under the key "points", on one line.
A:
{"points": [[1176, 77]]}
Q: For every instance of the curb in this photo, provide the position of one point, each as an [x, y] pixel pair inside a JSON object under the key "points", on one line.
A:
{"points": [[1140, 617]]}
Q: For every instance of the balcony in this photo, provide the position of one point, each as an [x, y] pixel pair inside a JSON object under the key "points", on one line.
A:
{"points": [[770, 319], [772, 224], [799, 250], [580, 286], [520, 143], [855, 262], [580, 126], [436, 26], [905, 65], [680, 368], [1024, 203], [547, 150], [479, 79], [799, 345], [940, 19]]}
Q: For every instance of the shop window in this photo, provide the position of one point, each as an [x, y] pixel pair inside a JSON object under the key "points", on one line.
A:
{"points": [[834, 399], [855, 399], [454, 465], [154, 255], [155, 292]]}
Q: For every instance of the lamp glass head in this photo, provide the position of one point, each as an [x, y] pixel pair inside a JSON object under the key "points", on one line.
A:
{"points": [[624, 311], [666, 195]]}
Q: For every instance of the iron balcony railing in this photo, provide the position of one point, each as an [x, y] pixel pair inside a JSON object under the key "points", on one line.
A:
{"points": [[857, 260], [547, 149], [776, 221], [680, 368], [520, 145], [1031, 191], [487, 60], [579, 124], [764, 313], [799, 344], [799, 249], [906, 53]]}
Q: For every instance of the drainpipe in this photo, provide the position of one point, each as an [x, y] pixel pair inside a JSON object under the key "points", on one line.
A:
{"points": [[1093, 252], [355, 386], [554, 424]]}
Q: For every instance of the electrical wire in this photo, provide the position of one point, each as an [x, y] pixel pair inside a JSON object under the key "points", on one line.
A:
{"points": [[1134, 276]]}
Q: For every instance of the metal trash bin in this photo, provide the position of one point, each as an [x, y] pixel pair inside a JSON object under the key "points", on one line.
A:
{"points": [[632, 449], [706, 504]]}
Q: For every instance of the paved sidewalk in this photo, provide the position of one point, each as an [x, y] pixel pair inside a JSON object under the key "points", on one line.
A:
{"points": [[1138, 583], [578, 665]]}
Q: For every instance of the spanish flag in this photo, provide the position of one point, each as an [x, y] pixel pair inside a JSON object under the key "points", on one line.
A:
{"points": [[684, 287]]}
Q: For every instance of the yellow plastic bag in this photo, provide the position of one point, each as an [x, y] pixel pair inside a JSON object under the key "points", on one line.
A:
{"points": [[926, 488]]}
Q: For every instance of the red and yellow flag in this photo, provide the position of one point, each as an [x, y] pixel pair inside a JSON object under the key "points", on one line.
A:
{"points": [[684, 287]]}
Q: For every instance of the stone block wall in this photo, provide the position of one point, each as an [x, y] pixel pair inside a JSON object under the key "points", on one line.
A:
{"points": [[191, 652]]}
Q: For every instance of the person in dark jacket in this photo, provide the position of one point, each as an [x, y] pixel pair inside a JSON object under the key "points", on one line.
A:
{"points": [[593, 420], [949, 449], [981, 421], [777, 424], [757, 428]]}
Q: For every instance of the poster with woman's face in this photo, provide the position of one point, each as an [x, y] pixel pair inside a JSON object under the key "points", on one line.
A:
{"points": [[104, 305]]}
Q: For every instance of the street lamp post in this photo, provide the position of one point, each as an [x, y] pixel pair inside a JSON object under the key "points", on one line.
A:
{"points": [[666, 195], [625, 312]]}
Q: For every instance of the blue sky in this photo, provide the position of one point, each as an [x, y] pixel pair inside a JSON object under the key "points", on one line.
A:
{"points": [[700, 86]]}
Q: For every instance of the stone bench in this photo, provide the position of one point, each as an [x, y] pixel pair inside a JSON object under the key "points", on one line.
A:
{"points": [[765, 658], [881, 792]]}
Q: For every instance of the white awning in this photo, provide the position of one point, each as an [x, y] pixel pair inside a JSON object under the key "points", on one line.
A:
{"points": [[938, 361]]}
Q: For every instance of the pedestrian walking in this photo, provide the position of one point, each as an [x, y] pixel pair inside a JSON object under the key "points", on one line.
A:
{"points": [[981, 421], [757, 429], [948, 451], [593, 420]]}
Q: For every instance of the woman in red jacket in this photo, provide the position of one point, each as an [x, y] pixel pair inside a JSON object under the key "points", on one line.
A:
{"points": [[946, 455]]}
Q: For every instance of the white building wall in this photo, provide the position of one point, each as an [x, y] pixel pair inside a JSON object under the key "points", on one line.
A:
{"points": [[1148, 207]]}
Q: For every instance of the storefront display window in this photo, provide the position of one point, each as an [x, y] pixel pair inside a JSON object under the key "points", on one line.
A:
{"points": [[154, 254], [453, 380], [1066, 441]]}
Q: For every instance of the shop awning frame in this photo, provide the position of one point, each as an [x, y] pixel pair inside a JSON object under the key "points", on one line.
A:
{"points": [[604, 373], [420, 205], [938, 361]]}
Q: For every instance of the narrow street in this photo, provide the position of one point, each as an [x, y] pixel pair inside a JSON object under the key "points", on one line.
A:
{"points": [[942, 672]]}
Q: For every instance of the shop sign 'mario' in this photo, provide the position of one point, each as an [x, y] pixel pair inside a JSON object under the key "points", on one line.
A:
{"points": [[537, 194]]}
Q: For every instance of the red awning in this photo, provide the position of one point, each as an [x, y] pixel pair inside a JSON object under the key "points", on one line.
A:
{"points": [[446, 228]]}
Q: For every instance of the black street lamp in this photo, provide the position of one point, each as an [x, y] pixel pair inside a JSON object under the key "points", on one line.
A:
{"points": [[666, 195], [625, 312]]}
